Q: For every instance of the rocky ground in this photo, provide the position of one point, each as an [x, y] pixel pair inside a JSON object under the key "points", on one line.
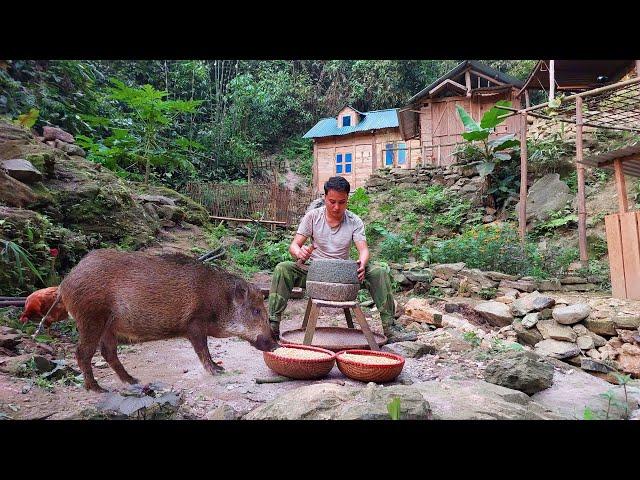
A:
{"points": [[449, 374]]}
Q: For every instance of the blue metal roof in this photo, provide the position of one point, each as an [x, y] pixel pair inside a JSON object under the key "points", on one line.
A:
{"points": [[374, 120]]}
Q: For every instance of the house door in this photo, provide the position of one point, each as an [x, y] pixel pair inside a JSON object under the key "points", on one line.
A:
{"points": [[447, 129]]}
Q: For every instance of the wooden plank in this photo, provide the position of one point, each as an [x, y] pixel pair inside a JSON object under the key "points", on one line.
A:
{"points": [[621, 187], [630, 254], [616, 265]]}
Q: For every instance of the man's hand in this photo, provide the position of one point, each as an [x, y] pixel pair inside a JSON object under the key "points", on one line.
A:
{"points": [[361, 266], [304, 253]]}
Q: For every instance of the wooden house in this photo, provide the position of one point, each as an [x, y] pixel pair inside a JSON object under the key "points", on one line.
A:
{"points": [[431, 117], [355, 144]]}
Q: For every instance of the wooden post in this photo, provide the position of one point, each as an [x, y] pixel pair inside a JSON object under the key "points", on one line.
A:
{"points": [[527, 102], [248, 171], [552, 80], [467, 79], [621, 187], [522, 218], [582, 205]]}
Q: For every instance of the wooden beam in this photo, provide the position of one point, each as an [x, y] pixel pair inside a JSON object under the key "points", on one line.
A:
{"points": [[606, 88], [582, 206], [522, 215], [447, 81], [487, 77], [467, 81], [621, 187], [552, 80], [248, 220]]}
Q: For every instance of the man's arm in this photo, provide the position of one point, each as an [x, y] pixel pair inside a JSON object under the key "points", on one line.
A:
{"points": [[363, 258], [298, 249]]}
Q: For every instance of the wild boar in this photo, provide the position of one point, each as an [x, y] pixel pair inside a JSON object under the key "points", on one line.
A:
{"points": [[116, 295]]}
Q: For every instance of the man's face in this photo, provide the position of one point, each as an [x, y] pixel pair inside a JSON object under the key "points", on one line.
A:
{"points": [[336, 203]]}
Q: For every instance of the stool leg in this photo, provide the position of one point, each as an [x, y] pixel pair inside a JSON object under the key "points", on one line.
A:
{"points": [[365, 328], [347, 314], [306, 314], [311, 327]]}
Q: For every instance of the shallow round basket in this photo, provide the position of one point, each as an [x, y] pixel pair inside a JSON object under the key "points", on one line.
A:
{"points": [[300, 368], [367, 372]]}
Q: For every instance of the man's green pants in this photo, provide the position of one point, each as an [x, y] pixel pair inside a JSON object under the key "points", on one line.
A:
{"points": [[288, 275]]}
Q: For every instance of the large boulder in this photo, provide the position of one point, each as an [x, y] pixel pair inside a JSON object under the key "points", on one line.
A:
{"points": [[21, 170], [15, 193], [474, 399], [574, 391], [55, 133], [557, 349], [527, 335], [547, 195], [521, 370], [552, 329], [571, 313], [329, 401], [600, 326], [496, 313], [532, 302]]}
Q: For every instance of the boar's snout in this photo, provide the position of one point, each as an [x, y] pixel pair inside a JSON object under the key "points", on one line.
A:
{"points": [[266, 343]]}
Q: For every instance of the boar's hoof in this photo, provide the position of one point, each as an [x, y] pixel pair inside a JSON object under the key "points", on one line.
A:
{"points": [[213, 368], [94, 387]]}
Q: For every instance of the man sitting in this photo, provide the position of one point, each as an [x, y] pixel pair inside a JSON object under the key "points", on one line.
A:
{"points": [[332, 228]]}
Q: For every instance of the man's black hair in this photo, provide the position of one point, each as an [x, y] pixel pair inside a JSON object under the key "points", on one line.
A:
{"points": [[339, 184]]}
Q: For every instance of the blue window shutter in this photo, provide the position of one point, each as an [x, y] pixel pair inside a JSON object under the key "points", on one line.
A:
{"points": [[402, 154], [338, 168], [388, 160], [347, 162], [339, 158], [346, 121]]}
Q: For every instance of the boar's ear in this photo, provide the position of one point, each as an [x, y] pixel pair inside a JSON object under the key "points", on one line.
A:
{"points": [[240, 293]]}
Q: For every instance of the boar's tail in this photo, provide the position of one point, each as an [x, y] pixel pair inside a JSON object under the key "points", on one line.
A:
{"points": [[41, 324]]}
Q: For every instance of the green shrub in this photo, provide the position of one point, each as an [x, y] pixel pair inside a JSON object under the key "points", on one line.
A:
{"points": [[359, 202], [394, 248]]}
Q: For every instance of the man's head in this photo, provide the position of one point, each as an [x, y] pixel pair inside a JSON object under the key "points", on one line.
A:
{"points": [[336, 196]]}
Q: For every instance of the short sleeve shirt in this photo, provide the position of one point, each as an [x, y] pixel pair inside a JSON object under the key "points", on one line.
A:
{"points": [[331, 242]]}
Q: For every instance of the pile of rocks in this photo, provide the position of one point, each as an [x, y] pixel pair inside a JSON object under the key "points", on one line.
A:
{"points": [[464, 180], [575, 333], [25, 171], [456, 279], [58, 138]]}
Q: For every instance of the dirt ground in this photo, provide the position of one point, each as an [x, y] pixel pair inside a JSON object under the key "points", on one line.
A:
{"points": [[175, 364]]}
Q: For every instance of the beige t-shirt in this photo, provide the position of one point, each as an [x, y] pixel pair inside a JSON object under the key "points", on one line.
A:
{"points": [[331, 242]]}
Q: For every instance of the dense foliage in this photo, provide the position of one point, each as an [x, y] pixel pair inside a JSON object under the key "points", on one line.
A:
{"points": [[224, 111]]}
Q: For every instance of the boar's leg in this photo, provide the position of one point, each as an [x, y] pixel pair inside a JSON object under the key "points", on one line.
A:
{"points": [[109, 350], [87, 345], [199, 341]]}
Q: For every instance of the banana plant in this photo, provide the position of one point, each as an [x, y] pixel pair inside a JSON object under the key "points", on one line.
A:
{"points": [[493, 151]]}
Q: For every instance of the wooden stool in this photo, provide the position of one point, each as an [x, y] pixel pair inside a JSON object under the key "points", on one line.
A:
{"points": [[313, 310]]}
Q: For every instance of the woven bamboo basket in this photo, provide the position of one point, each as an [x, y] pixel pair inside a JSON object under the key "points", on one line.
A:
{"points": [[369, 372], [300, 368]]}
